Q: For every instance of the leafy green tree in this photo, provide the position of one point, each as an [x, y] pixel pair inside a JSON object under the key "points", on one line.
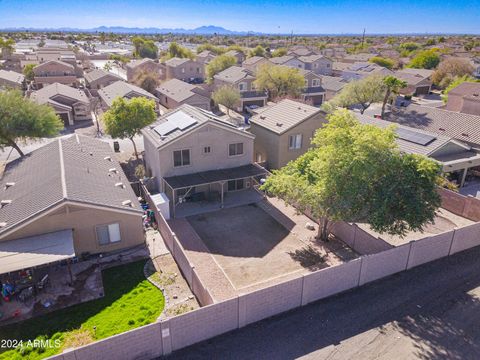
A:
{"points": [[392, 86], [449, 69], [356, 173], [176, 50], [279, 52], [144, 48], [363, 92], [28, 72], [217, 50], [107, 66], [226, 96], [430, 42], [126, 118], [454, 83], [279, 80], [7, 46], [257, 51], [427, 59], [385, 62], [217, 65], [409, 46], [22, 119], [147, 80]]}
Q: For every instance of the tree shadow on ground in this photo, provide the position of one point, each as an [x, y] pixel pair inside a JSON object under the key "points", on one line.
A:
{"points": [[309, 258]]}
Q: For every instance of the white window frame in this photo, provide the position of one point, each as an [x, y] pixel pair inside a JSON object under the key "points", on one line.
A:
{"points": [[295, 142], [181, 158], [114, 233], [315, 82]]}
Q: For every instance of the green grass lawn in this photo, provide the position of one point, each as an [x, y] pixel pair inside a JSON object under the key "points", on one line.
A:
{"points": [[130, 301]]}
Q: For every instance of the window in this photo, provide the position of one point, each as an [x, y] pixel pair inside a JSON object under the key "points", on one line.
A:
{"points": [[183, 70], [234, 185], [107, 234], [235, 149], [207, 150], [328, 65], [241, 86], [198, 70], [315, 65], [295, 141], [181, 157], [316, 82], [306, 82]]}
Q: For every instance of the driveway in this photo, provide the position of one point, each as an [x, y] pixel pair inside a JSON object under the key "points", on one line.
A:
{"points": [[430, 312]]}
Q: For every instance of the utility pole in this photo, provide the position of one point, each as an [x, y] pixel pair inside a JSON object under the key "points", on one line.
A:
{"points": [[363, 37], [291, 39]]}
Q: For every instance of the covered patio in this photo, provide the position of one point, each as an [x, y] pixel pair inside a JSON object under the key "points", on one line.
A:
{"points": [[194, 193]]}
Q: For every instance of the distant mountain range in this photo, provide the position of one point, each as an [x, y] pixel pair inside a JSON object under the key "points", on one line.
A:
{"points": [[202, 30]]}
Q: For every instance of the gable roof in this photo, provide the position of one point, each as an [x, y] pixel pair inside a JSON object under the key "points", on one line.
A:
{"points": [[280, 60], [422, 72], [283, 116], [12, 76], [332, 83], [460, 126], [182, 121], [136, 63], [97, 74], [253, 60], [74, 169], [179, 90], [409, 77], [122, 89], [467, 89], [174, 62], [311, 58], [56, 62], [45, 94], [234, 74]]}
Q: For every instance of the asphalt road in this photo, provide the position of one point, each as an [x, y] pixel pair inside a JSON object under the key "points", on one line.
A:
{"points": [[430, 312]]}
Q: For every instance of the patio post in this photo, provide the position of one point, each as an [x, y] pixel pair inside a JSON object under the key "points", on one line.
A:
{"points": [[464, 175], [221, 195], [174, 201]]}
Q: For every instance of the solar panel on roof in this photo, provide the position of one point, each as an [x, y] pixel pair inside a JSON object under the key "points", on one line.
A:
{"points": [[178, 120], [415, 137]]}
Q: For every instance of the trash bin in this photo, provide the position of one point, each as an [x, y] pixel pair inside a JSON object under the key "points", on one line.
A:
{"points": [[116, 146]]}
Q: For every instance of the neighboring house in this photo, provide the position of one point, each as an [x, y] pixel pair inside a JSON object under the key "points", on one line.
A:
{"points": [[144, 65], [363, 57], [417, 82], [283, 131], [361, 70], [334, 52], [11, 80], [313, 92], [465, 98], [124, 90], [338, 67], [332, 85], [287, 60], [254, 62], [243, 80], [300, 51], [456, 125], [205, 57], [45, 54], [240, 56], [54, 71], [174, 93], [191, 152], [98, 79], [72, 105], [66, 199], [453, 155], [185, 69], [318, 64]]}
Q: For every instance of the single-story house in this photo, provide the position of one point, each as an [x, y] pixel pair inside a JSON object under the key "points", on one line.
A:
{"points": [[361, 70], [465, 98], [283, 131], [63, 200], [11, 79], [173, 93], [71, 104], [362, 57], [332, 85], [417, 84], [254, 62], [122, 89], [192, 152]]}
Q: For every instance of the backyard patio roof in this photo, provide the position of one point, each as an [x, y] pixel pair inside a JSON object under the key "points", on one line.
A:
{"points": [[35, 251], [213, 176]]}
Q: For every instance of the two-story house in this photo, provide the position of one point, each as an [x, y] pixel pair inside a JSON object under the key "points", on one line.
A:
{"points": [[283, 131], [194, 155], [54, 71], [144, 65], [173, 93], [254, 63], [71, 104], [240, 56], [205, 57], [99, 78], [241, 79], [318, 64], [185, 69], [313, 92]]}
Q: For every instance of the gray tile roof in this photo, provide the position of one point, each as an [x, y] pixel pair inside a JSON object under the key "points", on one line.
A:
{"points": [[422, 72], [45, 94], [410, 78], [280, 60], [176, 61], [283, 116], [463, 127], [253, 60], [96, 74], [69, 169], [178, 90], [332, 83], [234, 74], [199, 115], [310, 58], [135, 63], [12, 76], [58, 62], [122, 89]]}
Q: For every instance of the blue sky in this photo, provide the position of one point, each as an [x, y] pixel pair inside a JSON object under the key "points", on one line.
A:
{"points": [[273, 16]]}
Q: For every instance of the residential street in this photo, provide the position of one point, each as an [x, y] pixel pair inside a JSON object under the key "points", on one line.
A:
{"points": [[431, 312]]}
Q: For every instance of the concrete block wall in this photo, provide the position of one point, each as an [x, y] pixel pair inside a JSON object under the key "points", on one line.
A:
{"points": [[182, 261], [430, 248], [465, 238], [330, 281], [383, 264], [344, 231], [365, 243], [203, 295], [270, 301], [466, 206]]}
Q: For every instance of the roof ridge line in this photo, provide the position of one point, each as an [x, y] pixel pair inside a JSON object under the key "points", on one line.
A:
{"points": [[62, 169]]}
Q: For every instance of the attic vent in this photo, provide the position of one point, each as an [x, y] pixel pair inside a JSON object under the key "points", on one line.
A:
{"points": [[299, 108], [120, 185], [127, 203], [108, 158], [3, 224], [263, 117], [5, 203], [113, 170], [9, 184], [441, 129], [464, 134], [279, 124], [476, 95]]}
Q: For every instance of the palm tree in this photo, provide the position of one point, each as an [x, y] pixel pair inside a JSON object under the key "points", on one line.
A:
{"points": [[393, 86]]}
